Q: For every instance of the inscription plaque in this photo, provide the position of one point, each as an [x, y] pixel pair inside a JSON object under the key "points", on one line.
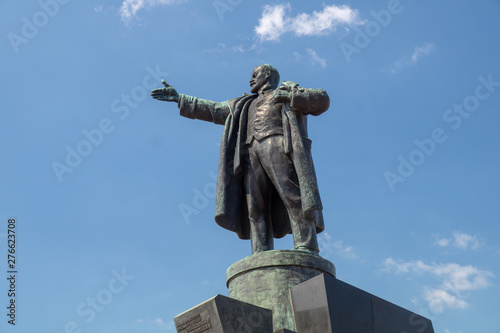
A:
{"points": [[196, 324]]}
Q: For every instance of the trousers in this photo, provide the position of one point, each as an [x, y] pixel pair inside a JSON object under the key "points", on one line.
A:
{"points": [[268, 167]]}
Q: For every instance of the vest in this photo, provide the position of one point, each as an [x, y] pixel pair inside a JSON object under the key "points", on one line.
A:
{"points": [[264, 117]]}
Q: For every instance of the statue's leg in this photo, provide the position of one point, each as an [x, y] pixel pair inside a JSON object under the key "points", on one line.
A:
{"points": [[279, 167], [257, 187]]}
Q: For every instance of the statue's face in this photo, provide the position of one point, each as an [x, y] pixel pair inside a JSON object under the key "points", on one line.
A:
{"points": [[259, 79]]}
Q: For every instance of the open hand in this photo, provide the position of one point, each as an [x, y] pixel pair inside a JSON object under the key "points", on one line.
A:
{"points": [[168, 93]]}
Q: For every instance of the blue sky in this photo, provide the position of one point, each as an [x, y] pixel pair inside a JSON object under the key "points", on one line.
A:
{"points": [[112, 191]]}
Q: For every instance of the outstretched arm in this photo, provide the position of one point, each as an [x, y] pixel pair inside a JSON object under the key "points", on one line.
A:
{"points": [[193, 107]]}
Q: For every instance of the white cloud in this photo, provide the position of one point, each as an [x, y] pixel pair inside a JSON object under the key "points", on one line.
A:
{"points": [[405, 267], [459, 278], [275, 21], [465, 241], [454, 277], [454, 280], [272, 23], [335, 247], [129, 8], [315, 58], [324, 21], [460, 240], [439, 299], [443, 242], [98, 9]]}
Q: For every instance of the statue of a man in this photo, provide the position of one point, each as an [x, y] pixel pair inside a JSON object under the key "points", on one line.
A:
{"points": [[266, 183]]}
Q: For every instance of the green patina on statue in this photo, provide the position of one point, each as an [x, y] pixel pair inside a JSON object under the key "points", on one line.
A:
{"points": [[266, 183]]}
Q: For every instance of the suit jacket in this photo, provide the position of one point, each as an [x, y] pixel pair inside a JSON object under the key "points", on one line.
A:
{"points": [[231, 209]]}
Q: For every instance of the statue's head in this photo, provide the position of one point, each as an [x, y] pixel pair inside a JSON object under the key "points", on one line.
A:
{"points": [[262, 75]]}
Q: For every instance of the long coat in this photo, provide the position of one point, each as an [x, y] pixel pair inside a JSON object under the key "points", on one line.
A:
{"points": [[231, 209]]}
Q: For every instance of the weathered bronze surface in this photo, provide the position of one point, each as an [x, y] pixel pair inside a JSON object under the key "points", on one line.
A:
{"points": [[266, 183]]}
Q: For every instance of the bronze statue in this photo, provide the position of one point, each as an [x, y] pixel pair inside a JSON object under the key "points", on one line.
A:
{"points": [[266, 183]]}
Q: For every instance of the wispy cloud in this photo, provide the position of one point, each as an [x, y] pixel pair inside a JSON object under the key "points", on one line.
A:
{"points": [[222, 48], [315, 58], [101, 9], [275, 21], [412, 59], [129, 8], [460, 240], [312, 57], [332, 247], [400, 267], [421, 51], [454, 281]]}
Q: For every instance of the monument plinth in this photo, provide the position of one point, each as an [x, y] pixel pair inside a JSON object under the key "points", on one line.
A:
{"points": [[222, 314], [264, 279], [324, 304]]}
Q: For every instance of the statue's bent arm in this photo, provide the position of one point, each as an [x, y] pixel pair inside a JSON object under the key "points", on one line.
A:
{"points": [[309, 101]]}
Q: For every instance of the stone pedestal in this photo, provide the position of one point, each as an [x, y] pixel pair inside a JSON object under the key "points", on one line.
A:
{"points": [[327, 305], [221, 314], [289, 291], [264, 279]]}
